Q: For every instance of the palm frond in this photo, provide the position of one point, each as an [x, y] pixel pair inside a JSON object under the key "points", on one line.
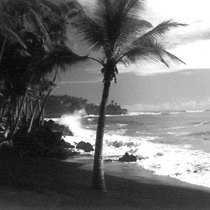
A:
{"points": [[38, 25], [132, 28], [46, 84], [115, 16], [111, 9], [51, 6], [11, 36], [115, 23], [17, 7], [157, 32], [152, 52], [61, 56], [172, 57], [90, 30], [7, 20], [71, 9]]}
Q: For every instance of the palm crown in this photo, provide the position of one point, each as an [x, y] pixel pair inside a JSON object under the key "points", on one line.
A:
{"points": [[117, 29]]}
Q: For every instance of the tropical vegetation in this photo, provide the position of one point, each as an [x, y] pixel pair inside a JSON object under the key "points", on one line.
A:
{"points": [[117, 31], [58, 105], [34, 36]]}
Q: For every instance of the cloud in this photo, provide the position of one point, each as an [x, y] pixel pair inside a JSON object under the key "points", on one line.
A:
{"points": [[195, 55], [191, 43], [143, 68], [192, 33], [194, 13]]}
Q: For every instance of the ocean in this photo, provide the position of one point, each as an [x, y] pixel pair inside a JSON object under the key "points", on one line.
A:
{"points": [[175, 144]]}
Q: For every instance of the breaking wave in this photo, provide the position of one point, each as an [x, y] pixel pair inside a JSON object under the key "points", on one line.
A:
{"points": [[179, 161]]}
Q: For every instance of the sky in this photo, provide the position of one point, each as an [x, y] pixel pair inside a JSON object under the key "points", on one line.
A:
{"points": [[145, 86]]}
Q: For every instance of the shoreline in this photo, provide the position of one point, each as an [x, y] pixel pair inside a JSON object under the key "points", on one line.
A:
{"points": [[135, 172], [37, 183]]}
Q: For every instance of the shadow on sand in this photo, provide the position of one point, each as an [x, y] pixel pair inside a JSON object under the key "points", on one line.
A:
{"points": [[52, 184]]}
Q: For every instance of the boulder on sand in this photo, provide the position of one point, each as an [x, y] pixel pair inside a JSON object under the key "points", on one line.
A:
{"points": [[66, 144], [87, 147], [128, 158]]}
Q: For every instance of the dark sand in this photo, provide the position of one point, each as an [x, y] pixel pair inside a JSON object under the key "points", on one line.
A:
{"points": [[29, 183]]}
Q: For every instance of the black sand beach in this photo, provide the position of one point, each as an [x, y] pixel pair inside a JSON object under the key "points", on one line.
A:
{"points": [[29, 183]]}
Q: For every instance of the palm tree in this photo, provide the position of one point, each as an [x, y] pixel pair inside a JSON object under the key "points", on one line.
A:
{"points": [[42, 47], [58, 58], [122, 37]]}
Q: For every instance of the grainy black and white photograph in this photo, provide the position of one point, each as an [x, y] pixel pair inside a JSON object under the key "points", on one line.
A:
{"points": [[104, 105]]}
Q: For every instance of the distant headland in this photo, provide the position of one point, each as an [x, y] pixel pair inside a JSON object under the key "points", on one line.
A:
{"points": [[57, 106]]}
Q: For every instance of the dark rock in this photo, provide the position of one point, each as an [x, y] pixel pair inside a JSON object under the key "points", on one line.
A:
{"points": [[87, 147], [159, 154], [57, 127], [178, 174], [72, 153], [66, 144], [141, 158], [5, 147], [117, 144], [128, 158], [42, 141]]}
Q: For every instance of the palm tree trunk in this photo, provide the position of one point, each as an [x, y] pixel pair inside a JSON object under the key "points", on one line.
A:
{"points": [[33, 116], [3, 110], [14, 129], [46, 97], [43, 105], [98, 181], [27, 109], [2, 48]]}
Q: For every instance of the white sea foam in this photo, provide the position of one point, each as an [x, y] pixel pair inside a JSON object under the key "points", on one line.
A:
{"points": [[150, 113], [195, 111], [174, 113], [188, 165], [181, 162], [199, 124], [165, 112], [122, 125], [73, 121], [144, 113], [133, 114], [177, 134]]}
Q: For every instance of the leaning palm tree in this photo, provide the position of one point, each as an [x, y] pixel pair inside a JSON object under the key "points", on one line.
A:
{"points": [[33, 42], [32, 33], [118, 32]]}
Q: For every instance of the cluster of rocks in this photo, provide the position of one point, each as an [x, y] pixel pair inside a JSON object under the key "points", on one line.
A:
{"points": [[125, 158], [47, 141], [55, 127], [85, 146], [42, 141], [128, 158]]}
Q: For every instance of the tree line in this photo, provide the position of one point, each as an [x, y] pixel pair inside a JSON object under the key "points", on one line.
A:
{"points": [[34, 36], [56, 106]]}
